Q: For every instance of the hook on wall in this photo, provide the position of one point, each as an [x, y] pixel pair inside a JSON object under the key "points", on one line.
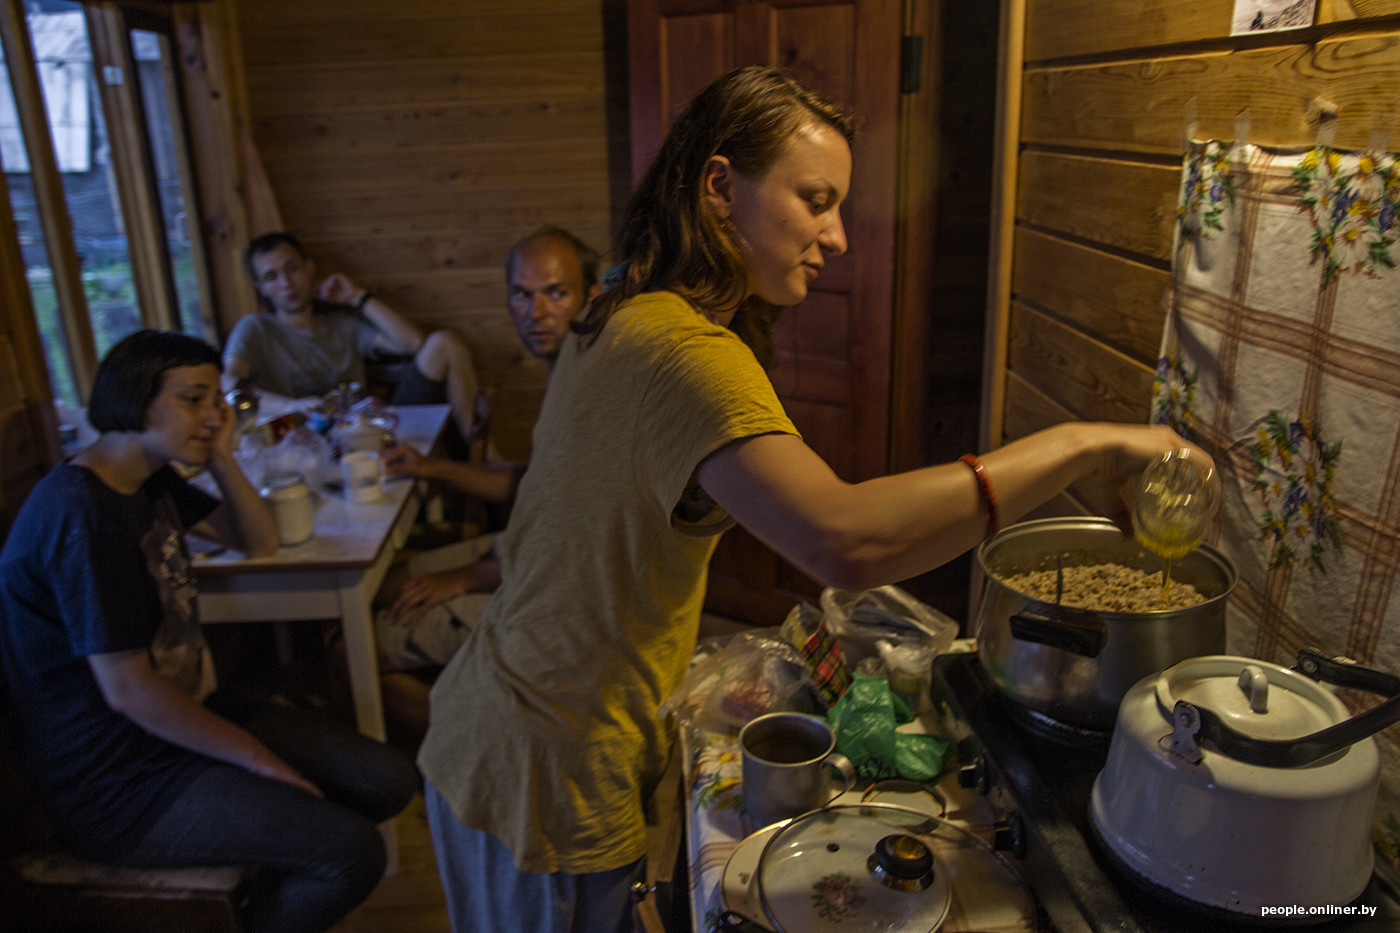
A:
{"points": [[1239, 149], [1324, 114]]}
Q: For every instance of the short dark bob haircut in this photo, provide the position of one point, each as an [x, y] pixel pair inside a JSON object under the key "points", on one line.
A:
{"points": [[130, 376]]}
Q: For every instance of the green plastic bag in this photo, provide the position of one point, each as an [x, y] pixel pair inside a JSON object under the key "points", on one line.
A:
{"points": [[865, 721]]}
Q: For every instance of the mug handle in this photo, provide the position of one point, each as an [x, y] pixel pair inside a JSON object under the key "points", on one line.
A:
{"points": [[848, 773]]}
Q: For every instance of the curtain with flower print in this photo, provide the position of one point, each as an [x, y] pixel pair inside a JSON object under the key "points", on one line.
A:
{"points": [[1281, 355]]}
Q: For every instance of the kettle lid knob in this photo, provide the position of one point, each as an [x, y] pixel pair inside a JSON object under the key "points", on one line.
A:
{"points": [[1254, 683]]}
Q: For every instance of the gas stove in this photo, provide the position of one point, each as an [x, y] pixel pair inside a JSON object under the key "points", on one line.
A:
{"points": [[1038, 778]]}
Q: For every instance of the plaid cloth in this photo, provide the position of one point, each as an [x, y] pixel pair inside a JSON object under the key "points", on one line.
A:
{"points": [[828, 665], [1281, 356]]}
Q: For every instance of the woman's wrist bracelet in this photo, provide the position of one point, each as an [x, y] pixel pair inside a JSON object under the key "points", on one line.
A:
{"points": [[989, 496], [360, 302]]}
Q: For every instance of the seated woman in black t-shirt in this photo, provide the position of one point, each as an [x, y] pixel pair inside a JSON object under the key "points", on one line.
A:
{"points": [[111, 681]]}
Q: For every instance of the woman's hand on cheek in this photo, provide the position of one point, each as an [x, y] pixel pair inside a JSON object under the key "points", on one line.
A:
{"points": [[224, 439]]}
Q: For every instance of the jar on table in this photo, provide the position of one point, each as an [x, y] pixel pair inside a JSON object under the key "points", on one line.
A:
{"points": [[290, 500]]}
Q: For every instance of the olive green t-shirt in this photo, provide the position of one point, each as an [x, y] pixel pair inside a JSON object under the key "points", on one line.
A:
{"points": [[544, 729]]}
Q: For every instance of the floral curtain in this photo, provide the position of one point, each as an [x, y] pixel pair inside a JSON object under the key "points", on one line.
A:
{"points": [[1281, 355]]}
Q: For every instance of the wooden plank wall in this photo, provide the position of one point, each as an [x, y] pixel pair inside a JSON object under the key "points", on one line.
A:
{"points": [[409, 145], [1107, 91]]}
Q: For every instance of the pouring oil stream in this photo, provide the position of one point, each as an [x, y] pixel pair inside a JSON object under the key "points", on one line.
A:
{"points": [[1176, 500]]}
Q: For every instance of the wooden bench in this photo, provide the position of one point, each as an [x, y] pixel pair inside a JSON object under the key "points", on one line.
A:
{"points": [[52, 889], [43, 887]]}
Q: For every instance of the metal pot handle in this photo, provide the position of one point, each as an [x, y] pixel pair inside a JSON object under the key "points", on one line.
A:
{"points": [[1197, 724], [1085, 639]]}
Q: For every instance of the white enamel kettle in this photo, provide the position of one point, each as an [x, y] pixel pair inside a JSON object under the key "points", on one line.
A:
{"points": [[1240, 784]]}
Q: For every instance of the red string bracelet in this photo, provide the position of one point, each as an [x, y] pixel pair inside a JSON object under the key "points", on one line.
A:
{"points": [[989, 495]]}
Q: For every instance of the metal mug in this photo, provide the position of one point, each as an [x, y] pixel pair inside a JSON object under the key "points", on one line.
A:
{"points": [[787, 762]]}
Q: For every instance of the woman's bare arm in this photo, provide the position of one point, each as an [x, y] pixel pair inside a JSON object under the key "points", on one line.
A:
{"points": [[242, 520], [859, 535], [137, 691]]}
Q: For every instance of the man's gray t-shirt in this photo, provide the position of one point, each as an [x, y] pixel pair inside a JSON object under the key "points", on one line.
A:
{"points": [[292, 362]]}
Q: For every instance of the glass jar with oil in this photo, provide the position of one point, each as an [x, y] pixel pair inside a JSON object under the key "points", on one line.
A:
{"points": [[1176, 500]]}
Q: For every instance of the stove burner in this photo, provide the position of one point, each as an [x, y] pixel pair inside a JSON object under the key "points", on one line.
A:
{"points": [[1045, 787], [1063, 733]]}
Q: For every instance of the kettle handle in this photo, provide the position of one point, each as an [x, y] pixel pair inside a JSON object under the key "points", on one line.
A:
{"points": [[1344, 672], [1294, 753]]}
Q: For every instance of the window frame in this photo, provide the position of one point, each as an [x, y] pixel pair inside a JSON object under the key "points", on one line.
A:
{"points": [[54, 218], [109, 25]]}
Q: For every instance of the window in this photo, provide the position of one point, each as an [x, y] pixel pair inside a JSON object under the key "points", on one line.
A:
{"points": [[99, 177]]}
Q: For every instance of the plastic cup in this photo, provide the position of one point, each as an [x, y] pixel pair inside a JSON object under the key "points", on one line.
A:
{"points": [[362, 473]]}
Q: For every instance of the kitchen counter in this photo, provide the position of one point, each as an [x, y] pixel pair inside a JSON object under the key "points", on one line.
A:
{"points": [[711, 778], [1029, 793]]}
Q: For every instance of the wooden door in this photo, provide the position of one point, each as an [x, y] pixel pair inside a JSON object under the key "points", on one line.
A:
{"points": [[833, 368]]}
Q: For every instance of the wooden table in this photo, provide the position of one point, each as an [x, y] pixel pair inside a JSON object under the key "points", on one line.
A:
{"points": [[335, 574]]}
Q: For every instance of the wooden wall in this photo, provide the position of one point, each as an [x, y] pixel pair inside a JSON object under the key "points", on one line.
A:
{"points": [[1101, 94], [409, 144]]}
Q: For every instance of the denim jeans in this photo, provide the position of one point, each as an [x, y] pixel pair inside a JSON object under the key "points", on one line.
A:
{"points": [[318, 859], [487, 894]]}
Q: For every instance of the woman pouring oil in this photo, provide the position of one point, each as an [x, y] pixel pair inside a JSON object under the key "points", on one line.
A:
{"points": [[660, 430]]}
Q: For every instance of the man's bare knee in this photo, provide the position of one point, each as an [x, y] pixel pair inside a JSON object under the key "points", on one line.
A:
{"points": [[442, 351]]}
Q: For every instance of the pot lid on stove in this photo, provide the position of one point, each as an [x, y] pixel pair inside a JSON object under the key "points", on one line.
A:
{"points": [[868, 867]]}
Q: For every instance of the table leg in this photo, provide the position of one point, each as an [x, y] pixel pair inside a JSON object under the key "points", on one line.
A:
{"points": [[357, 628]]}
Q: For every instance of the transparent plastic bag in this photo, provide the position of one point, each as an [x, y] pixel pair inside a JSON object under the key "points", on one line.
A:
{"points": [[908, 664], [738, 677], [302, 451], [861, 619]]}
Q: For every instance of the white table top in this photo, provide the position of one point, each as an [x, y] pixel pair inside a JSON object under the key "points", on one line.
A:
{"points": [[348, 535]]}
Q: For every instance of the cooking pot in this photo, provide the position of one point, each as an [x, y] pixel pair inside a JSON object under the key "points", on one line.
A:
{"points": [[1075, 665], [1240, 785]]}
